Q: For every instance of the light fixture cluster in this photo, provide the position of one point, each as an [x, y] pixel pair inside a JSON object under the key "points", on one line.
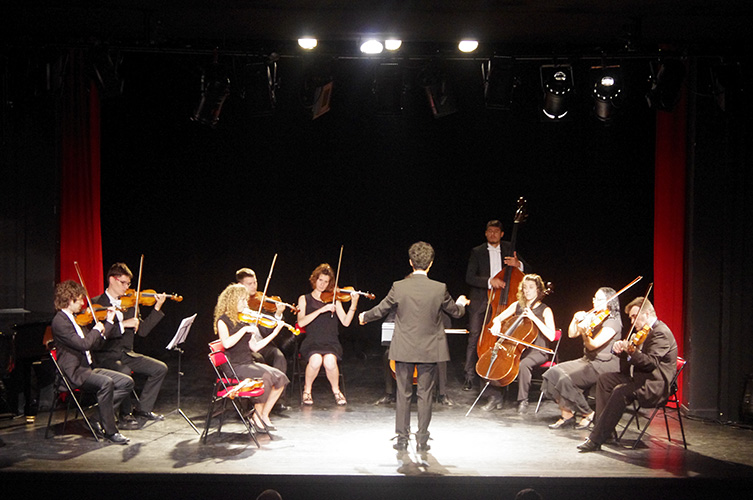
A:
{"points": [[374, 45]]}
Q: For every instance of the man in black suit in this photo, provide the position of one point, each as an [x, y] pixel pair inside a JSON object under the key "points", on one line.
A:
{"points": [[418, 341], [73, 344], [484, 265], [645, 373], [117, 353]]}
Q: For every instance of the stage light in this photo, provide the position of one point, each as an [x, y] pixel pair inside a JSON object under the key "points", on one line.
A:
{"points": [[499, 82], [372, 46], [607, 91], [467, 46], [392, 44], [307, 43], [557, 84], [439, 92], [215, 87], [389, 89], [666, 80], [259, 86]]}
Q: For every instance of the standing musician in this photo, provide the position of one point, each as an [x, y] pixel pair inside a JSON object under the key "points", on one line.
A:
{"points": [[240, 340], [74, 343], [529, 305], [485, 262], [272, 355], [567, 382], [322, 345], [419, 341], [117, 353], [645, 372]]}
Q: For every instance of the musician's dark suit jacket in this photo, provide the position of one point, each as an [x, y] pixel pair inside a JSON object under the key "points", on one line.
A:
{"points": [[418, 339], [654, 364]]}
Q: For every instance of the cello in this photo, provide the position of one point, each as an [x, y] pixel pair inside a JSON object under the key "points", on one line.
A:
{"points": [[499, 298]]}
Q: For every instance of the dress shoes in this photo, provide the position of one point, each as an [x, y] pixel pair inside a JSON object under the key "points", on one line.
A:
{"points": [[522, 407], [385, 400], [445, 400], [588, 446], [494, 403], [401, 445], [280, 407], [563, 423], [423, 447], [468, 384], [587, 421], [149, 415], [117, 438], [129, 423]]}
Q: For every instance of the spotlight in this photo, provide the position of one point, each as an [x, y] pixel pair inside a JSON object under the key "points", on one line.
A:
{"points": [[499, 82], [389, 89], [215, 87], [438, 90], [392, 44], [607, 91], [307, 43], [557, 84], [372, 46], [259, 87], [666, 82], [467, 45]]}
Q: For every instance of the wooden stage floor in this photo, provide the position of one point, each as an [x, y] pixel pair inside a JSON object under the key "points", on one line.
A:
{"points": [[347, 452]]}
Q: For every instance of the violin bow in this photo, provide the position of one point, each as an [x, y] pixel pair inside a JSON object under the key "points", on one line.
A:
{"points": [[640, 310], [138, 288], [86, 291], [264, 293], [337, 277]]}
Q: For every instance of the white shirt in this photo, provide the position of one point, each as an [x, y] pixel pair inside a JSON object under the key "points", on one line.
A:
{"points": [[118, 314], [495, 261], [80, 334]]}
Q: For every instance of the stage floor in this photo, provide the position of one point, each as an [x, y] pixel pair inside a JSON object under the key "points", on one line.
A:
{"points": [[325, 446]]}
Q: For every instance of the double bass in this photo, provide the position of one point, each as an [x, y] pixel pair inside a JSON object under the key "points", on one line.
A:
{"points": [[499, 298]]}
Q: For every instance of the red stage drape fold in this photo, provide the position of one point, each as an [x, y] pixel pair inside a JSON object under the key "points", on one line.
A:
{"points": [[669, 218], [80, 231]]}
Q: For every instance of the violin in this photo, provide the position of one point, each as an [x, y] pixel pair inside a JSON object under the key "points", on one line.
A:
{"points": [[596, 320], [85, 317], [638, 338], [343, 294], [270, 303], [265, 320], [146, 298]]}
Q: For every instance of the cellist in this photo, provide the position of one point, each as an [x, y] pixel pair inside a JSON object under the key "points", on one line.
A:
{"points": [[529, 305], [485, 262]]}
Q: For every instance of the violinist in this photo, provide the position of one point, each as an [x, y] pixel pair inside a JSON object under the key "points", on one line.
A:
{"points": [[272, 355], [566, 383], [240, 340], [320, 317], [117, 353], [74, 344], [485, 262], [652, 363], [529, 305]]}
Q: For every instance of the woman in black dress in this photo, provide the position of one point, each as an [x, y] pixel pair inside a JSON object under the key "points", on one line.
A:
{"points": [[240, 340], [568, 382], [322, 345]]}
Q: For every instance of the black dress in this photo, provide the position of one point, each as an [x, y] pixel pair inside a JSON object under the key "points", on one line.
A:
{"points": [[241, 357], [568, 382], [322, 334]]}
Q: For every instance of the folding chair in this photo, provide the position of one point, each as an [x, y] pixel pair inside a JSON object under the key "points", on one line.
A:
{"points": [[64, 392], [548, 364], [299, 369], [226, 387], [672, 402]]}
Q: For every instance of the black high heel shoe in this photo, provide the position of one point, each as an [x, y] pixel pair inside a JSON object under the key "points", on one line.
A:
{"points": [[563, 423], [589, 420]]}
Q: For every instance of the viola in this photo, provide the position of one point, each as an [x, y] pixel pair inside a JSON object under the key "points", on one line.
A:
{"points": [[146, 298], [343, 294], [270, 303], [265, 320]]}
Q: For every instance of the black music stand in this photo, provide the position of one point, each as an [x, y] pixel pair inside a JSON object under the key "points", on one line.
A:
{"points": [[179, 338]]}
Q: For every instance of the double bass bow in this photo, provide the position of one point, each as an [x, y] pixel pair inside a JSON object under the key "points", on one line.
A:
{"points": [[499, 298]]}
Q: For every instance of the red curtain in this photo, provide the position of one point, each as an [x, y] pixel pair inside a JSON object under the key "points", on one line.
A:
{"points": [[80, 231], [669, 218]]}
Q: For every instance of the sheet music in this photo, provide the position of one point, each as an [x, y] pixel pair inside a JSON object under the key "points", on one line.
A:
{"points": [[182, 333]]}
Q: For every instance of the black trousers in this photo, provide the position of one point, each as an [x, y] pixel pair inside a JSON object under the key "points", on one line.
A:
{"points": [[425, 387], [614, 392], [155, 372], [112, 388]]}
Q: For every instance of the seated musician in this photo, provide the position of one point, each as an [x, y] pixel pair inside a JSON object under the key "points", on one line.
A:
{"points": [[653, 363], [529, 305], [74, 343], [567, 383], [117, 353], [240, 340], [322, 345]]}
